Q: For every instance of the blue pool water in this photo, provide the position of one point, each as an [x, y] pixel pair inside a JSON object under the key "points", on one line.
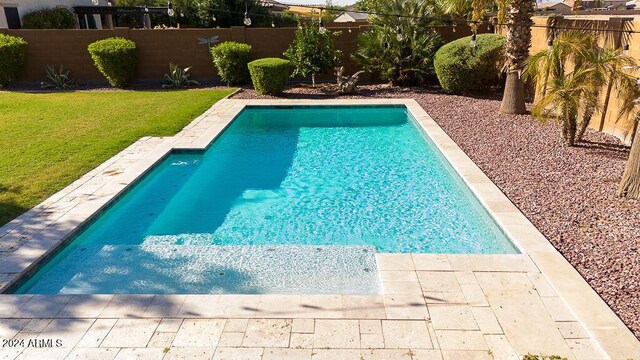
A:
{"points": [[278, 190]]}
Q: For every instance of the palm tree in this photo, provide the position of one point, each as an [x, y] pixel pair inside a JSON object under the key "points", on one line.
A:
{"points": [[592, 67], [457, 9], [517, 51], [609, 68], [548, 68], [630, 184], [503, 7], [565, 96]]}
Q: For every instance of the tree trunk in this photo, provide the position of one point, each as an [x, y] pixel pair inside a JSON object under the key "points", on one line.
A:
{"points": [[630, 184], [569, 127], [571, 130], [513, 101], [516, 53], [584, 124]]}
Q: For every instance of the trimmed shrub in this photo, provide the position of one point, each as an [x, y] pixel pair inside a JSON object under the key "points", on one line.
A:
{"points": [[12, 58], [58, 18], [116, 59], [270, 75], [231, 59], [462, 69]]}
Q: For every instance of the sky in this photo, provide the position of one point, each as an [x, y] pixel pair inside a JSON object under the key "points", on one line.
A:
{"points": [[318, 2]]}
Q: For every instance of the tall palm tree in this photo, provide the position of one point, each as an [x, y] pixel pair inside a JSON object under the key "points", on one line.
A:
{"points": [[517, 51], [457, 9], [630, 184]]}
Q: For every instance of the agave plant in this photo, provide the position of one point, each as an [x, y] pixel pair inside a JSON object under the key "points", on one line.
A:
{"points": [[58, 79], [178, 78]]}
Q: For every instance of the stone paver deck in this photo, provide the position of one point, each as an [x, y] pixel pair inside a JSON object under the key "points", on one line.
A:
{"points": [[433, 306]]}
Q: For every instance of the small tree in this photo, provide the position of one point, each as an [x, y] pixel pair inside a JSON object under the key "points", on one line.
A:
{"points": [[312, 51]]}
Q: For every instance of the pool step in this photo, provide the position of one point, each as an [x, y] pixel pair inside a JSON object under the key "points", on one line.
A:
{"points": [[196, 269]]}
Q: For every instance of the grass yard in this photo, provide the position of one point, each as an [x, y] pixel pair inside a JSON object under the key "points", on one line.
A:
{"points": [[51, 139]]}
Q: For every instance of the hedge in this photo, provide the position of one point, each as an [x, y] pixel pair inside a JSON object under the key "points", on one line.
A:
{"points": [[116, 59], [462, 69], [12, 58], [270, 75], [231, 59], [58, 18]]}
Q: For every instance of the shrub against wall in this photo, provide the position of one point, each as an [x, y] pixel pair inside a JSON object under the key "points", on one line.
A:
{"points": [[116, 59], [231, 59], [58, 18], [401, 50], [270, 75], [462, 69], [12, 58]]}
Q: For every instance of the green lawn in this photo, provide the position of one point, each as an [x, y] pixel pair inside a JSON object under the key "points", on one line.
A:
{"points": [[50, 139]]}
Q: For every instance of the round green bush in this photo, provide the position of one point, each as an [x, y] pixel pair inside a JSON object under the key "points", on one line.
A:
{"points": [[462, 69], [270, 75], [231, 59], [58, 18], [116, 59], [12, 58]]}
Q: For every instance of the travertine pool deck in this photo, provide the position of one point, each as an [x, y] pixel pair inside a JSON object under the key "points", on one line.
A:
{"points": [[433, 307]]}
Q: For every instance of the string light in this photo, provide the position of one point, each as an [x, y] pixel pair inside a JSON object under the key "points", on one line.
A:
{"points": [[170, 10], [272, 24], [213, 17], [146, 9], [399, 31], [247, 20], [443, 19], [96, 2], [321, 27], [473, 41]]}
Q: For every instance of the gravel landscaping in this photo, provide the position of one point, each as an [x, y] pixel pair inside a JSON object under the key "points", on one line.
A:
{"points": [[568, 193]]}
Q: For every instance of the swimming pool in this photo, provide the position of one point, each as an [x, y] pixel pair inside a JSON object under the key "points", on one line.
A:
{"points": [[282, 193]]}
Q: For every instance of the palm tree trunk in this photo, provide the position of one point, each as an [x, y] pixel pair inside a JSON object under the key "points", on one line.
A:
{"points": [[516, 52], [630, 184], [584, 124], [569, 129], [513, 101]]}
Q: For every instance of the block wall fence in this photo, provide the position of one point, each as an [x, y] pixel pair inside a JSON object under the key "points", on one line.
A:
{"points": [[158, 48]]}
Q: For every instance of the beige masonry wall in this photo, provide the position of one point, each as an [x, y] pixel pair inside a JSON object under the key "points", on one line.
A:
{"points": [[158, 48]]}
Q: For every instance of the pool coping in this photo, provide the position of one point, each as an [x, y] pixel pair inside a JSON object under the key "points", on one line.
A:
{"points": [[45, 227]]}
